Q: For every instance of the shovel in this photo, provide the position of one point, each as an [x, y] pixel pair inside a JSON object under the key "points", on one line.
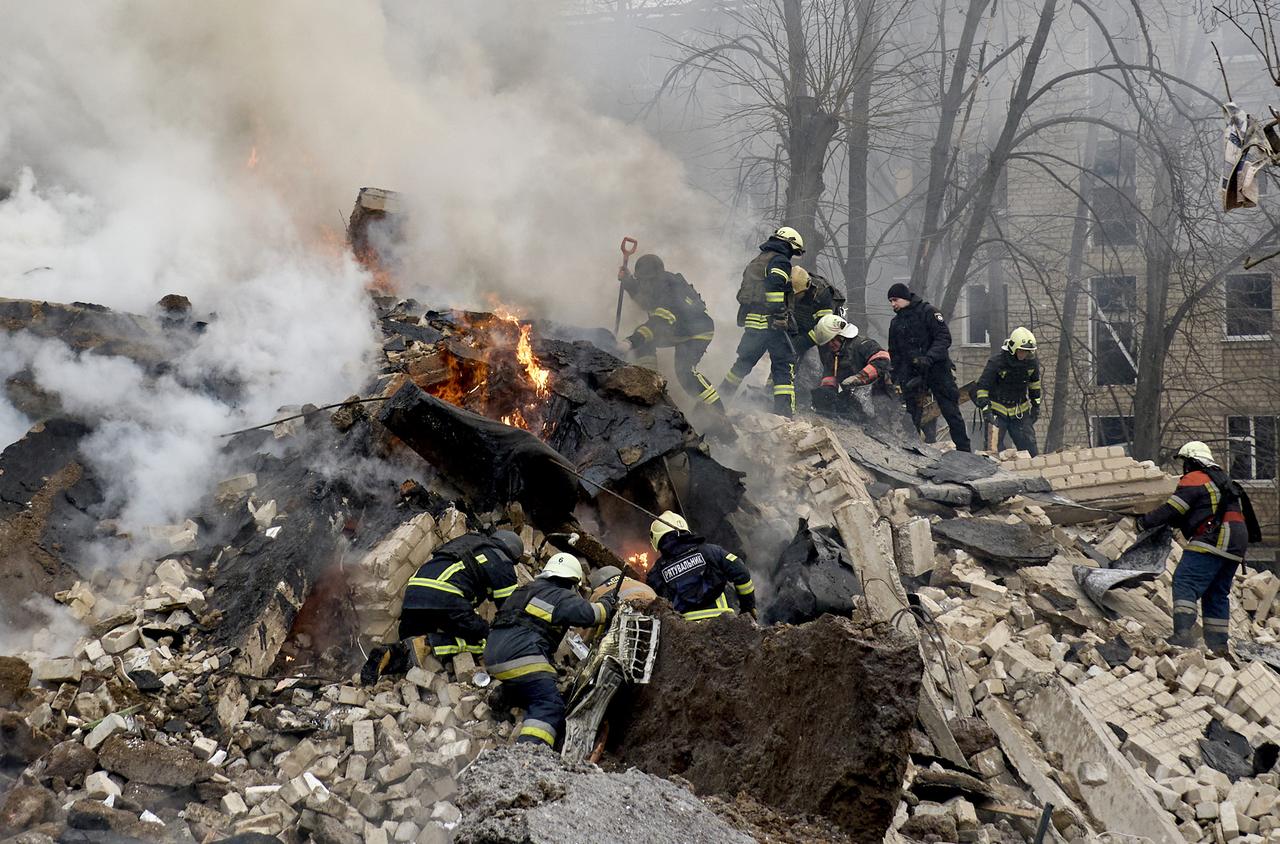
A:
{"points": [[628, 249]]}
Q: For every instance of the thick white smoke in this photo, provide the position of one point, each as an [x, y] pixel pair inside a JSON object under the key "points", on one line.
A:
{"points": [[212, 150]]}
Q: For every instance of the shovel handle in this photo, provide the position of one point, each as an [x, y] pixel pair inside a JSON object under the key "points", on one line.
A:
{"points": [[628, 248]]}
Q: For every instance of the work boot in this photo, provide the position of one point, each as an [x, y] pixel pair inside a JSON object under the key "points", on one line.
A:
{"points": [[384, 660], [1215, 637], [1183, 637]]}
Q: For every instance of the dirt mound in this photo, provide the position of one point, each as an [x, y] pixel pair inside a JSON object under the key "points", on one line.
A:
{"points": [[526, 795], [810, 720]]}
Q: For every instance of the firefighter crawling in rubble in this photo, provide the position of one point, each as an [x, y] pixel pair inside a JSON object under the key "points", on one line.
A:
{"points": [[694, 574], [439, 613]]}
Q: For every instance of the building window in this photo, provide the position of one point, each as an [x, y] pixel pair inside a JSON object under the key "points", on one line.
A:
{"points": [[1112, 430], [1248, 306], [1114, 190], [1252, 442], [1113, 303], [977, 316]]}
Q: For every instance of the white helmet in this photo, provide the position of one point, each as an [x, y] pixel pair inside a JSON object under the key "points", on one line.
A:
{"points": [[791, 236], [664, 524], [1198, 451], [563, 565], [831, 327]]}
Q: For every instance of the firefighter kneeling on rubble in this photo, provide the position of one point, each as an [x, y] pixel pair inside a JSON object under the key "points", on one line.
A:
{"points": [[855, 361], [525, 635], [1215, 514], [440, 600], [693, 574]]}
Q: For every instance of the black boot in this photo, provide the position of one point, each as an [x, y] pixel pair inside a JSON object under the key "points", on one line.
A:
{"points": [[1182, 636]]}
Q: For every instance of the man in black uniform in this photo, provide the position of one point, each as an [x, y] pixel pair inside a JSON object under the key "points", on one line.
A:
{"points": [[440, 601], [920, 343], [1008, 393], [677, 318], [764, 314], [526, 633], [693, 574]]}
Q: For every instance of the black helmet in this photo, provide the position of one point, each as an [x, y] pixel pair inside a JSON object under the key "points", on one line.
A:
{"points": [[649, 266], [511, 541]]}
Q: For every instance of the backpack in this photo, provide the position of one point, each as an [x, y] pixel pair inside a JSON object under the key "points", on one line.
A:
{"points": [[751, 292]]}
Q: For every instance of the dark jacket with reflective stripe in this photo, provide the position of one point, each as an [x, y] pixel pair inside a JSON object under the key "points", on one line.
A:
{"points": [[675, 309], [861, 357], [1191, 509], [692, 574], [821, 299], [918, 330], [1009, 385], [766, 283], [529, 627], [462, 572]]}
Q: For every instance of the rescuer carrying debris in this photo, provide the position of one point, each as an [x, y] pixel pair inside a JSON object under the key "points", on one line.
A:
{"points": [[1008, 393], [693, 574], [526, 633], [1214, 513], [677, 318], [855, 361], [813, 297], [440, 601], [920, 344], [767, 320]]}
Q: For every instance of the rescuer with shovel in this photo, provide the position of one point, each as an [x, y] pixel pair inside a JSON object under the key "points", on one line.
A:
{"points": [[521, 647]]}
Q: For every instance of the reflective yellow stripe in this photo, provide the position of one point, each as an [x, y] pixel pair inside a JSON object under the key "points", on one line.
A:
{"points": [[776, 271], [600, 612], [445, 650], [983, 393], [707, 393], [784, 390], [481, 559], [721, 607], [531, 668], [645, 332], [775, 296], [1178, 504], [1016, 410], [663, 313], [504, 592], [450, 571], [821, 313], [732, 378], [435, 584], [813, 337], [709, 336], [539, 734], [745, 588], [537, 612], [1035, 385]]}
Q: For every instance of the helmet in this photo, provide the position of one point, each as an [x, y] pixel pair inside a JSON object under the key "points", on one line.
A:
{"points": [[799, 279], [791, 236], [664, 524], [601, 576], [563, 565], [511, 541], [1198, 451], [1020, 338], [832, 326], [649, 266]]}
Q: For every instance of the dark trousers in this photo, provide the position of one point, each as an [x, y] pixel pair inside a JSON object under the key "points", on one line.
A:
{"points": [[939, 381], [1205, 579], [755, 343], [1021, 430], [544, 708], [688, 354], [449, 631]]}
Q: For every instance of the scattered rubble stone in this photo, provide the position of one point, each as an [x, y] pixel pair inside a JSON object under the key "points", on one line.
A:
{"points": [[147, 762], [15, 676]]}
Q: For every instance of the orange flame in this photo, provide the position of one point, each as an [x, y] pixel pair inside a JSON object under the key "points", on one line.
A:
{"points": [[538, 376], [639, 561]]}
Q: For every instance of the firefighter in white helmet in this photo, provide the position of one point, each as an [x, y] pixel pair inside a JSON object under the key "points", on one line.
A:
{"points": [[521, 647], [693, 574]]}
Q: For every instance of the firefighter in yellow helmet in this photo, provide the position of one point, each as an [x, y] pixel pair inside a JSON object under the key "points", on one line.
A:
{"points": [[764, 312], [1008, 393], [693, 574]]}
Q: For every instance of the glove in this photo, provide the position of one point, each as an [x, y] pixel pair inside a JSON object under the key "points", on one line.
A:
{"points": [[1035, 412], [985, 410], [624, 274], [921, 362], [858, 380], [913, 385], [610, 602], [780, 321]]}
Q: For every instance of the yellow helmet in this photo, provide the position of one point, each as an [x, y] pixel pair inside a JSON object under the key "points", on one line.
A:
{"points": [[799, 279], [1020, 338], [664, 524], [832, 326], [791, 236], [1198, 451], [563, 565]]}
